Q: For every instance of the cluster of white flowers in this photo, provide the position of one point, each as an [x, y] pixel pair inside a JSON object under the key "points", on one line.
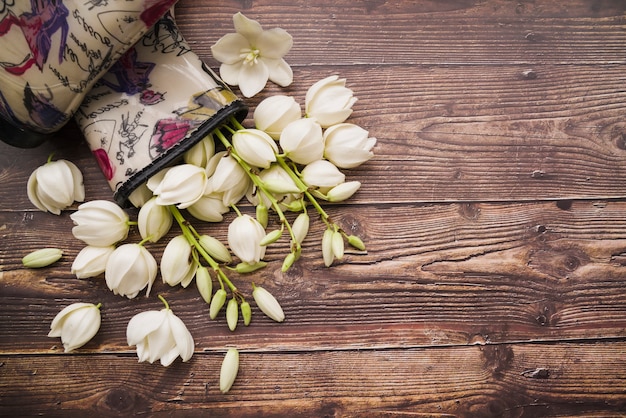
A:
{"points": [[290, 160]]}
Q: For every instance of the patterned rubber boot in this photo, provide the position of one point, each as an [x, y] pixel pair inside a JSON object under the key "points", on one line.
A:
{"points": [[154, 104], [53, 51]]}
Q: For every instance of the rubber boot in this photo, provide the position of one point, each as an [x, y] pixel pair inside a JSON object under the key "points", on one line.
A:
{"points": [[53, 51], [154, 104]]}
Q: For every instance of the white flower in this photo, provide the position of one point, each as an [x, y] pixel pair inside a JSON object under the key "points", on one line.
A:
{"points": [[76, 324], [347, 145], [274, 113], [244, 235], [159, 335], [200, 154], [154, 220], [329, 101], [322, 173], [229, 178], [302, 141], [182, 185], [252, 55], [129, 269], [91, 261], [177, 264], [100, 223], [209, 208], [267, 303], [55, 185], [229, 369], [140, 196], [255, 147]]}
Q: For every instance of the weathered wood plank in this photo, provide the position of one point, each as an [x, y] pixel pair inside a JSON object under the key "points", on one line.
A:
{"points": [[506, 138], [518, 380], [434, 275], [438, 33]]}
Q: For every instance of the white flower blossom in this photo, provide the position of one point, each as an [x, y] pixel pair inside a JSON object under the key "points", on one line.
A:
{"points": [[302, 141], [182, 185], [55, 185], [100, 223], [329, 101], [129, 269], [76, 324], [255, 147], [159, 335], [244, 236], [91, 261], [252, 55], [347, 145], [322, 173], [154, 220], [177, 264], [274, 113]]}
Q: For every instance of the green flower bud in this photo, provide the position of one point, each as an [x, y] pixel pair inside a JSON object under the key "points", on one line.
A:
{"points": [[288, 262], [219, 298], [232, 314], [229, 370], [294, 206], [249, 268], [215, 248], [246, 312], [204, 283], [271, 237], [262, 215], [42, 258], [356, 242]]}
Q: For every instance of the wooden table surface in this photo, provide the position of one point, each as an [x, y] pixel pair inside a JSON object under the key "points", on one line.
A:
{"points": [[494, 214]]}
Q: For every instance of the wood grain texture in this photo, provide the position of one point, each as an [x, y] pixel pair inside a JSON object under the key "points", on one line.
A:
{"points": [[494, 215]]}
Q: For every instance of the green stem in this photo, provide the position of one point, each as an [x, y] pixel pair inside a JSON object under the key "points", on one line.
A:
{"points": [[190, 234], [255, 179], [167, 306]]}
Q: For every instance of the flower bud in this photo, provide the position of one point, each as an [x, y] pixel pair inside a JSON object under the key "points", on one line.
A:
{"points": [[343, 191], [337, 245], [129, 269], [177, 264], [229, 178], [255, 147], [200, 154], [76, 324], [182, 185], [347, 145], [322, 173], [302, 141], [278, 181], [288, 262], [246, 312], [100, 223], [91, 261], [204, 283], [327, 247], [215, 248], [229, 369], [232, 314], [243, 268], [219, 298], [154, 221], [268, 303], [55, 185], [140, 196], [356, 242], [271, 237], [42, 258], [274, 113], [262, 214], [244, 236], [329, 101], [300, 227]]}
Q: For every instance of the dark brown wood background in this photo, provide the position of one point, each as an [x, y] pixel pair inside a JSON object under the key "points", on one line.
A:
{"points": [[494, 213]]}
